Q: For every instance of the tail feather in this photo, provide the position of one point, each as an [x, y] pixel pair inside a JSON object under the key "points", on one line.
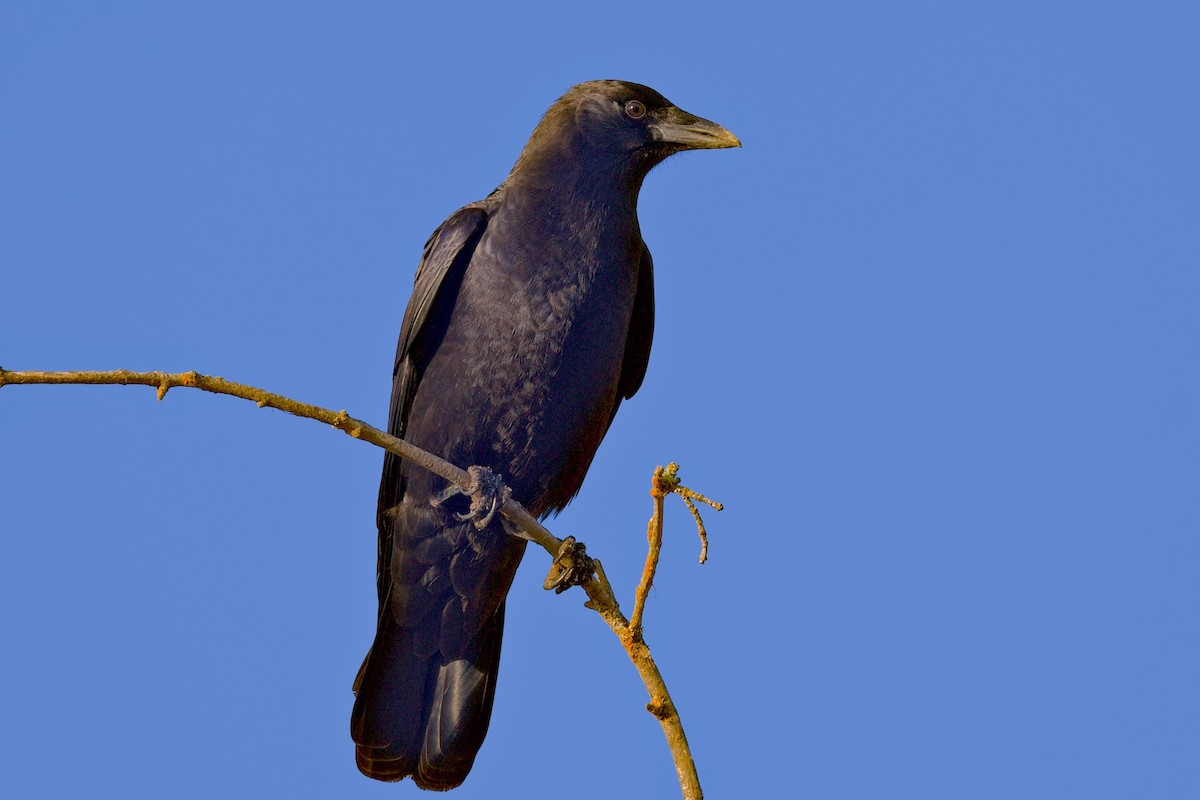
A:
{"points": [[417, 713], [387, 721]]}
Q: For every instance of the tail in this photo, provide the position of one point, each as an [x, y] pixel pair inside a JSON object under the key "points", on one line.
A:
{"points": [[417, 713]]}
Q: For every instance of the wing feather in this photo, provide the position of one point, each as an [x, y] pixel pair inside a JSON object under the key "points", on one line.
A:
{"points": [[641, 330], [439, 275]]}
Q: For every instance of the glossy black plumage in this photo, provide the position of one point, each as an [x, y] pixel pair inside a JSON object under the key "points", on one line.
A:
{"points": [[530, 320]]}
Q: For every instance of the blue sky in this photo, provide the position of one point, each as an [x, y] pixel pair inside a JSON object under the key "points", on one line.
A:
{"points": [[931, 335]]}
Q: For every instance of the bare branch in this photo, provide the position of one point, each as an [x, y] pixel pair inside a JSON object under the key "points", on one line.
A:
{"points": [[665, 481], [601, 598], [659, 488]]}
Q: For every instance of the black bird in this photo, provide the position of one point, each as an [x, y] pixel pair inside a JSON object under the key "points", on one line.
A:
{"points": [[529, 322]]}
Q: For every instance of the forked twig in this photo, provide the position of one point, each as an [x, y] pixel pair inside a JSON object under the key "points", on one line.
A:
{"points": [[665, 481]]}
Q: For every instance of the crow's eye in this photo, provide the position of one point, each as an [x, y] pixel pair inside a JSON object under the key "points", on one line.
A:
{"points": [[635, 109]]}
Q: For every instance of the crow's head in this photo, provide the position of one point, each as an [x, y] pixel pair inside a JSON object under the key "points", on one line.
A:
{"points": [[602, 125]]}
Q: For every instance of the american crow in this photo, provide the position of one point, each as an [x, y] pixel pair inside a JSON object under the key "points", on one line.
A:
{"points": [[530, 320]]}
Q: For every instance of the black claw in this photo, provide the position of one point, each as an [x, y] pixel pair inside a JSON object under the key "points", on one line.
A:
{"points": [[487, 492], [572, 567]]}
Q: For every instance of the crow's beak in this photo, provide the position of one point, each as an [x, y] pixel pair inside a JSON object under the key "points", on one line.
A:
{"points": [[692, 132]]}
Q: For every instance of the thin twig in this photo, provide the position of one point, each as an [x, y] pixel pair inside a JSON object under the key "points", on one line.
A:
{"points": [[601, 598], [666, 480], [690, 494], [660, 486], [699, 528]]}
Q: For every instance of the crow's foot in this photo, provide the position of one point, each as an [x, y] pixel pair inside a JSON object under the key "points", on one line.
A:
{"points": [[572, 567], [487, 492]]}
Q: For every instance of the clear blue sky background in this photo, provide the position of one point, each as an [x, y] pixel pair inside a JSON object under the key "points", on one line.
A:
{"points": [[932, 335]]}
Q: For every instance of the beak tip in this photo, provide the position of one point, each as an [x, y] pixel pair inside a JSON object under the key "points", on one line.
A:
{"points": [[723, 138], [697, 134]]}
